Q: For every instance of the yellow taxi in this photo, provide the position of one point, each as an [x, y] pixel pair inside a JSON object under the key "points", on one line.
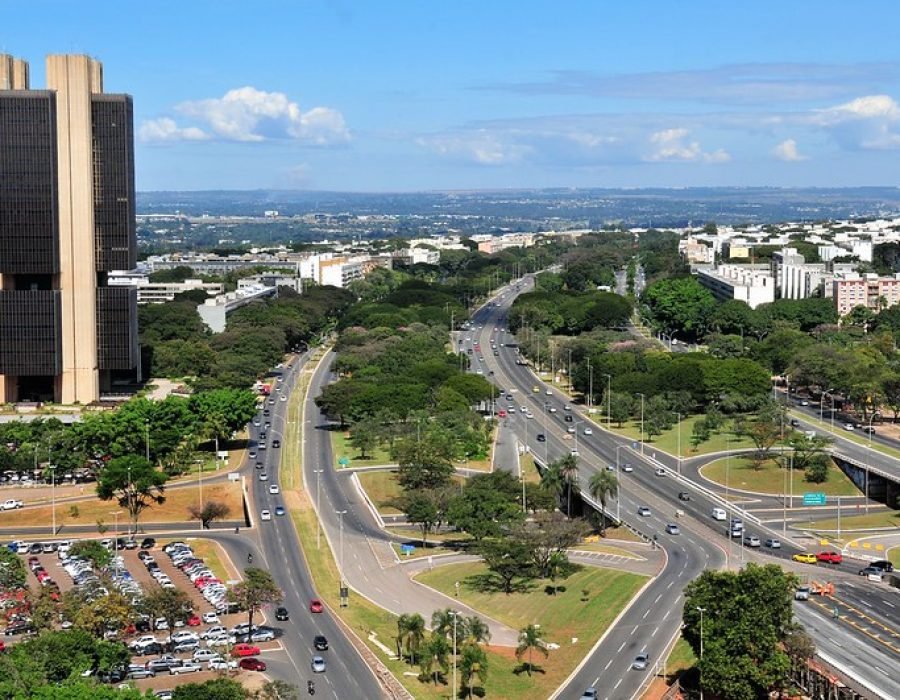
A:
{"points": [[805, 558], [536, 389]]}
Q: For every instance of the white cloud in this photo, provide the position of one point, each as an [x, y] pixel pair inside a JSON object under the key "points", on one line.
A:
{"points": [[479, 146], [671, 145], [787, 151], [866, 123], [165, 129], [250, 115]]}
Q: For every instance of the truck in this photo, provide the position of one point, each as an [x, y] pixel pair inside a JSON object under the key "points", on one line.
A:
{"points": [[11, 504]]}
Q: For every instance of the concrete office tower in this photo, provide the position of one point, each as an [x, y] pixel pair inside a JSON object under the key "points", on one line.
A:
{"points": [[66, 221]]}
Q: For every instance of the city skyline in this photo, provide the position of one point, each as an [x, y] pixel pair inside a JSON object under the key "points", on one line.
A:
{"points": [[399, 97]]}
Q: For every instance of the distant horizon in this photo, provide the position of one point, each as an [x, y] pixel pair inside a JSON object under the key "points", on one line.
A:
{"points": [[467, 96]]}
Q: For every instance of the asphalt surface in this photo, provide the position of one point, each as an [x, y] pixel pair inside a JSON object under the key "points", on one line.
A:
{"points": [[368, 562], [703, 539], [277, 548], [654, 618]]}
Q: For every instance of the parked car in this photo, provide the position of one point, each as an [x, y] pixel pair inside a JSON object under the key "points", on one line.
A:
{"points": [[241, 650], [186, 667], [164, 663], [884, 565], [252, 664], [136, 671]]}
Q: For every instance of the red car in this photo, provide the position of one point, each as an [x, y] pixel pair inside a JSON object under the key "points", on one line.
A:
{"points": [[245, 650], [501, 413], [315, 606], [830, 557], [194, 621], [252, 664]]}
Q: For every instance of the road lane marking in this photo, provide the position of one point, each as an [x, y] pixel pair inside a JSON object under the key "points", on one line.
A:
{"points": [[655, 630], [621, 647]]}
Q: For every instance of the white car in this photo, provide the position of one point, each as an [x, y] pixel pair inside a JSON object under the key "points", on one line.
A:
{"points": [[552, 409], [222, 664], [549, 392], [273, 489], [588, 431], [201, 655], [263, 476], [210, 618], [186, 667], [265, 515], [627, 468], [848, 426]]}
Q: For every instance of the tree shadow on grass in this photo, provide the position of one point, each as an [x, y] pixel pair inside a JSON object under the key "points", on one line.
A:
{"points": [[525, 666], [491, 583]]}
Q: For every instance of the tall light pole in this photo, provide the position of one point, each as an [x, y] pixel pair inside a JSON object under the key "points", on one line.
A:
{"points": [[590, 384], [678, 416], [619, 489], [642, 423], [454, 614], [702, 610], [341, 514], [868, 457], [130, 495], [608, 401], [575, 425], [115, 515], [569, 373], [147, 439], [318, 513], [200, 487], [52, 469]]}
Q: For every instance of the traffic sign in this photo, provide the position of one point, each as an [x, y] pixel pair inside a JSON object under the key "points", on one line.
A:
{"points": [[407, 549], [343, 461], [814, 499]]}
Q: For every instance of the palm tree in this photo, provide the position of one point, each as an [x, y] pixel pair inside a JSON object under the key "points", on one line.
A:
{"points": [[442, 623], [528, 642], [476, 630], [602, 486], [435, 657], [552, 480], [568, 470], [473, 663], [410, 635]]}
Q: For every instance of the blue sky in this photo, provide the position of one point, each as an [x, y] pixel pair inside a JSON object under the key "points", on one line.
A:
{"points": [[383, 95]]}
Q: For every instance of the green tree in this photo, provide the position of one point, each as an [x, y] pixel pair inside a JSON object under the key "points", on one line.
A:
{"points": [[747, 617], [134, 482], [602, 486], [91, 551], [427, 508], [680, 303], [211, 510], [473, 665], [410, 635], [364, 436], [223, 411], [476, 631], [529, 642], [276, 690], [816, 470], [12, 570], [215, 689], [423, 463], [257, 590], [171, 604], [488, 504], [435, 659], [507, 559], [765, 429], [621, 406], [700, 433]]}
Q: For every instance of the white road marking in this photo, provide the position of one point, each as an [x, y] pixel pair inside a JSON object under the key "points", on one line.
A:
{"points": [[655, 630], [621, 647]]}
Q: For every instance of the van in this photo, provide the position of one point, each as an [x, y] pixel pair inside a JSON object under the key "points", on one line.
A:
{"points": [[810, 434], [719, 514]]}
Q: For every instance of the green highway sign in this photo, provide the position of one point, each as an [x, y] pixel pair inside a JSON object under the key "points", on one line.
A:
{"points": [[814, 499]]}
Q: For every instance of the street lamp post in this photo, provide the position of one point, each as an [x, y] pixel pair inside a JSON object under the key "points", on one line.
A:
{"points": [[115, 515], [129, 496], [341, 514], [200, 488], [590, 384], [454, 614], [52, 469], [569, 371], [678, 416], [868, 457], [701, 610], [318, 513], [642, 423], [619, 489], [575, 425], [608, 401]]}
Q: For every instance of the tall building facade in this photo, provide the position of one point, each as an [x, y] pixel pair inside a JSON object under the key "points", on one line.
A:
{"points": [[66, 220]]}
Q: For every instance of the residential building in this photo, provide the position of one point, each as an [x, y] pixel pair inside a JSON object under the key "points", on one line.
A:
{"points": [[794, 277], [752, 284], [339, 271], [66, 222], [875, 293]]}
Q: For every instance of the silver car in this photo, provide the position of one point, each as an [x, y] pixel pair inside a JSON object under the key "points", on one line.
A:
{"points": [[318, 664], [641, 661]]}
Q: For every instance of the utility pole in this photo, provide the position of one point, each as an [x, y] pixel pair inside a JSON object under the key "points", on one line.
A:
{"points": [[702, 610], [590, 384], [642, 423], [608, 401]]}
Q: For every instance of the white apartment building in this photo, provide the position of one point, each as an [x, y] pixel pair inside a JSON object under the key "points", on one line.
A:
{"points": [[160, 292], [752, 284]]}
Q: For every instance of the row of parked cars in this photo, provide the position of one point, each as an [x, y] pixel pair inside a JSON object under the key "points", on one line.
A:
{"points": [[201, 576]]}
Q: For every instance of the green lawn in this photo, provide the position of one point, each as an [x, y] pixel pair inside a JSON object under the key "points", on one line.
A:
{"points": [[381, 487], [769, 478], [894, 556], [681, 658], [341, 446], [668, 440], [526, 462], [562, 616], [881, 518]]}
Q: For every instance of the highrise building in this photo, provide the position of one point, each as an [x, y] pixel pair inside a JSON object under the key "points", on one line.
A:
{"points": [[66, 221]]}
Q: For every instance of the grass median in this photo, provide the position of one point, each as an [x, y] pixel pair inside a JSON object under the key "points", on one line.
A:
{"points": [[770, 478], [876, 520], [586, 604]]}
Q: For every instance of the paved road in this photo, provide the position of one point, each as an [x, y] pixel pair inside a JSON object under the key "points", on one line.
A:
{"points": [[642, 486], [655, 617], [278, 550], [368, 562]]}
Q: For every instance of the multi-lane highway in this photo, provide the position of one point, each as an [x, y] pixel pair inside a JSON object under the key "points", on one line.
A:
{"points": [[703, 539], [277, 549]]}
